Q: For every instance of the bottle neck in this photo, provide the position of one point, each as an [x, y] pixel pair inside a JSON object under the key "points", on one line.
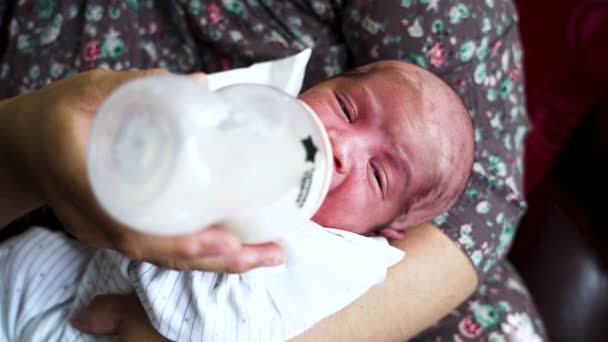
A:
{"points": [[324, 167]]}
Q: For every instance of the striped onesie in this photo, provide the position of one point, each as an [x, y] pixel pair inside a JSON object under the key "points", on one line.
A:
{"points": [[46, 276]]}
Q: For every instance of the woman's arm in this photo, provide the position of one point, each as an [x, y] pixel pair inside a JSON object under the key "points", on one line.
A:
{"points": [[434, 275], [16, 195]]}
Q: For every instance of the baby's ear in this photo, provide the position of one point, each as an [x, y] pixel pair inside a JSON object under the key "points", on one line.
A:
{"points": [[395, 229], [392, 234]]}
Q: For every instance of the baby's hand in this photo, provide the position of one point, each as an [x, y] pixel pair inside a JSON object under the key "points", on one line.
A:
{"points": [[121, 316]]}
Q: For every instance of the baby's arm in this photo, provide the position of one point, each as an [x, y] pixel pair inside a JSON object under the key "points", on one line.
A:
{"points": [[39, 271], [120, 316], [204, 306]]}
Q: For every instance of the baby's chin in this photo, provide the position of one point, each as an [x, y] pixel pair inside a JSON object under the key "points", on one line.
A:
{"points": [[328, 219]]}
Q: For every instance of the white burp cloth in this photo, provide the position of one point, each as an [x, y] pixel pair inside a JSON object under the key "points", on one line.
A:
{"points": [[327, 269]]}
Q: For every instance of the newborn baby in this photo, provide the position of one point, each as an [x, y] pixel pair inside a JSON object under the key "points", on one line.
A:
{"points": [[403, 149]]}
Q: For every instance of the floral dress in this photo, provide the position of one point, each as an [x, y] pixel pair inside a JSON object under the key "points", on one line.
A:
{"points": [[472, 45]]}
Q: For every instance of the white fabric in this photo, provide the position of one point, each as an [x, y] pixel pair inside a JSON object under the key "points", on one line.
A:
{"points": [[286, 74], [47, 276]]}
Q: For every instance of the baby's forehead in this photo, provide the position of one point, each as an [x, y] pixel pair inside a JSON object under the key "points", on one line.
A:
{"points": [[402, 74], [426, 99], [400, 83], [428, 88]]}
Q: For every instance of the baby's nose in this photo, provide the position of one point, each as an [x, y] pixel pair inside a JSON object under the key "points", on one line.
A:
{"points": [[338, 166], [339, 146], [342, 161], [340, 152], [338, 175]]}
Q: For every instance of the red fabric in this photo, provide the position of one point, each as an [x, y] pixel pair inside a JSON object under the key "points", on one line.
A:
{"points": [[566, 57]]}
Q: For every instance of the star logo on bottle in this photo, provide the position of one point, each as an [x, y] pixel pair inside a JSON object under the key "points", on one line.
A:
{"points": [[311, 149]]}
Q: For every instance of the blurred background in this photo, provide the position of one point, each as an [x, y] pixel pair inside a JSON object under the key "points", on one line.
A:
{"points": [[561, 248]]}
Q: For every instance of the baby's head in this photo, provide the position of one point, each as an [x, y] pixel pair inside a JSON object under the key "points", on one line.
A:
{"points": [[403, 147]]}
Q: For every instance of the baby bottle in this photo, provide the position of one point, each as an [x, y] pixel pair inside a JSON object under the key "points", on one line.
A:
{"points": [[167, 155]]}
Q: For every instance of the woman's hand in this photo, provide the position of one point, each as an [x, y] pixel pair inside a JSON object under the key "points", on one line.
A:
{"points": [[48, 140]]}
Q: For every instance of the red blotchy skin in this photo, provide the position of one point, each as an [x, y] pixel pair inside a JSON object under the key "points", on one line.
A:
{"points": [[385, 133]]}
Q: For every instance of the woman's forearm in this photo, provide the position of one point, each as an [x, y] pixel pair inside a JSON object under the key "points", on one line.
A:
{"points": [[432, 279], [16, 195]]}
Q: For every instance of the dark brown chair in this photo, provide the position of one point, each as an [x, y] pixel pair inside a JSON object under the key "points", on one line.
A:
{"points": [[561, 246], [561, 249]]}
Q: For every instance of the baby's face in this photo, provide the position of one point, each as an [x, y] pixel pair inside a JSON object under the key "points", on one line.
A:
{"points": [[372, 122], [382, 149]]}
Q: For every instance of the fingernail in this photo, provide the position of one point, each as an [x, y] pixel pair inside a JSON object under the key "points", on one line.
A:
{"points": [[273, 259]]}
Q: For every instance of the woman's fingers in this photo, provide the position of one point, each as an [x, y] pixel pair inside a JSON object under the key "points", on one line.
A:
{"points": [[212, 250], [247, 257], [199, 76], [211, 241]]}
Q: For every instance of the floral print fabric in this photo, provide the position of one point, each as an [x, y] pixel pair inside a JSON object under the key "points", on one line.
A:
{"points": [[472, 45]]}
